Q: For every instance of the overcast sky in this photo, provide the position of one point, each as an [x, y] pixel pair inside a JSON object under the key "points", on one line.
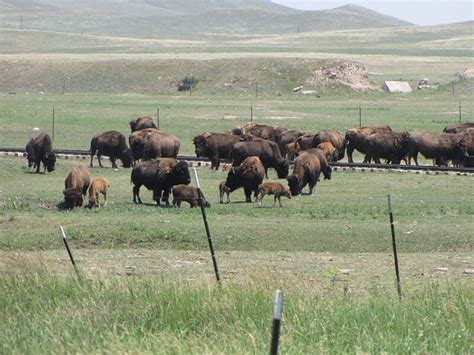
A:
{"points": [[420, 12]]}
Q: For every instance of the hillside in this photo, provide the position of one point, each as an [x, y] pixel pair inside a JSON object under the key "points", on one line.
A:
{"points": [[151, 18]]}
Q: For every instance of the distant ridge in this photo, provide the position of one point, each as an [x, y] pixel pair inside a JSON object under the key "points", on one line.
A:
{"points": [[151, 18]]}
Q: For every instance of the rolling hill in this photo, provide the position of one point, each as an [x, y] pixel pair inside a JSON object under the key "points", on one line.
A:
{"points": [[152, 18]]}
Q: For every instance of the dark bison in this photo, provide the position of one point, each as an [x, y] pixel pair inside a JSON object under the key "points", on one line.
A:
{"points": [[216, 146], [113, 144], [287, 138], [325, 168], [159, 175], [305, 172], [149, 143], [332, 136], [441, 147], [304, 142], [391, 146], [142, 123], [40, 150], [356, 138], [267, 151], [458, 127], [75, 186], [270, 133], [248, 175]]}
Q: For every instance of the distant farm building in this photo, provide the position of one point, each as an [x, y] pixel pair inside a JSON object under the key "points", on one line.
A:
{"points": [[397, 86]]}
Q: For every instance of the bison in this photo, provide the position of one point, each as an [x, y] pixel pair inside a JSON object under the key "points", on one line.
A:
{"points": [[332, 136], [286, 138], [98, 186], [356, 138], [113, 144], [216, 146], [159, 175], [441, 147], [305, 142], [223, 189], [305, 172], [150, 143], [75, 186], [267, 151], [391, 146], [189, 194], [270, 133], [248, 175], [325, 168], [330, 152], [40, 150], [272, 188], [458, 127], [142, 123]]}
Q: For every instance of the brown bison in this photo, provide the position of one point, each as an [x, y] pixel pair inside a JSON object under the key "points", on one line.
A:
{"points": [[188, 194], [142, 123], [325, 168], [216, 146], [223, 189], [267, 151], [441, 147], [75, 186], [150, 143], [391, 146], [113, 144], [305, 142], [291, 150], [332, 136], [330, 152], [356, 138], [159, 175], [248, 175], [272, 188], [40, 150], [458, 127], [270, 133], [286, 138], [305, 172], [98, 186]]}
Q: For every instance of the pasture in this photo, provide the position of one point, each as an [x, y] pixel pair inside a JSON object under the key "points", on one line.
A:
{"points": [[147, 278]]}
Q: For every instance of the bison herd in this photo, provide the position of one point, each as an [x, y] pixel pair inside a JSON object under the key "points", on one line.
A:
{"points": [[252, 149]]}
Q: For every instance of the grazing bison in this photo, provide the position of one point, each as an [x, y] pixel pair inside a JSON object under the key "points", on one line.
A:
{"points": [[391, 146], [441, 147], [142, 123], [223, 189], [356, 138], [98, 186], [248, 175], [159, 175], [323, 163], [270, 133], [332, 136], [40, 150], [286, 138], [150, 143], [330, 152], [305, 172], [267, 151], [272, 188], [458, 127], [188, 194], [75, 186], [216, 146], [113, 144]]}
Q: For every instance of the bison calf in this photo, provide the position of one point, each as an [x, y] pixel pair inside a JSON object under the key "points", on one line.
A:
{"points": [[223, 189], [188, 194], [272, 188], [98, 186]]}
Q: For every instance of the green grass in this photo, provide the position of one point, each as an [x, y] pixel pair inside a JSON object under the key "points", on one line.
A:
{"points": [[147, 315]]}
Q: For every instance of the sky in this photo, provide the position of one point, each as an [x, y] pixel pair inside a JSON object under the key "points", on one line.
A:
{"points": [[419, 12]]}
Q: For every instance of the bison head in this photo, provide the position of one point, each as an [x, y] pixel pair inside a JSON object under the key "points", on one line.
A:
{"points": [[180, 174], [282, 169], [72, 198], [127, 158], [49, 162], [133, 125], [232, 182], [246, 137], [201, 146], [294, 183]]}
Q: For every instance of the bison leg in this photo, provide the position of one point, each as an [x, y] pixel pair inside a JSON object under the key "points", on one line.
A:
{"points": [[259, 199], [112, 160], [350, 149], [136, 194], [228, 198], [105, 197], [100, 162], [92, 158], [248, 194]]}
